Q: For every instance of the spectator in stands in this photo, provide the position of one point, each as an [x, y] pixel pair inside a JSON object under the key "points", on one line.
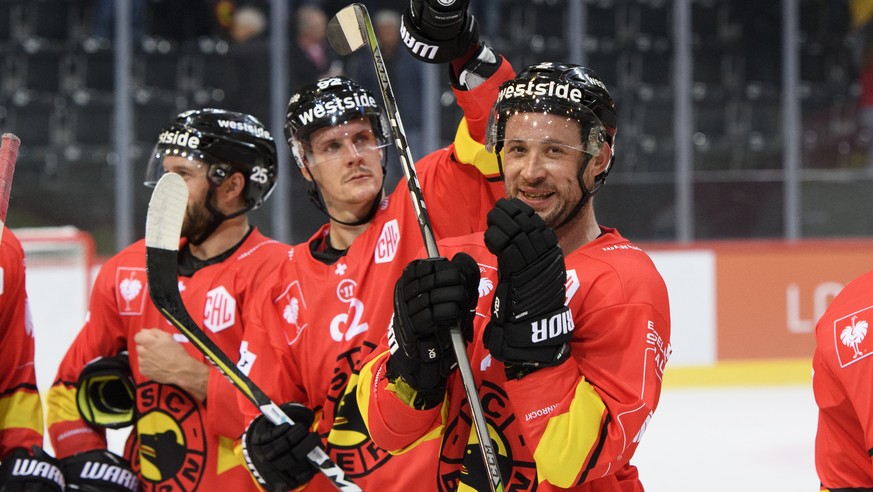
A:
{"points": [[103, 18], [313, 57], [249, 55], [406, 80], [865, 100], [183, 20], [21, 425]]}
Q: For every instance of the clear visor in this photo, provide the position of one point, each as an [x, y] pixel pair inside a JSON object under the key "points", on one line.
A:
{"points": [[552, 137], [337, 144], [163, 159]]}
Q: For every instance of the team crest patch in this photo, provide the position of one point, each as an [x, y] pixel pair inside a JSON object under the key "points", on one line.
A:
{"points": [[386, 246], [850, 337], [130, 290], [171, 448]]}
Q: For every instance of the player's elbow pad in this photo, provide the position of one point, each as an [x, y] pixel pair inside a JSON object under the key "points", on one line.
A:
{"points": [[106, 392]]}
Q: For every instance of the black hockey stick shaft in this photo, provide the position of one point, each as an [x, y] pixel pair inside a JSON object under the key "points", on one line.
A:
{"points": [[348, 31], [163, 229]]}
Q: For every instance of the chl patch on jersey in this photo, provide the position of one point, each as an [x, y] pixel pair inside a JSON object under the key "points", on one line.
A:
{"points": [[219, 313], [130, 290], [386, 246], [850, 337]]}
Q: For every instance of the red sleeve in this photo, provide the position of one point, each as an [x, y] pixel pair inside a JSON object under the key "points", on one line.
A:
{"points": [[393, 425], [477, 103], [103, 334], [21, 425]]}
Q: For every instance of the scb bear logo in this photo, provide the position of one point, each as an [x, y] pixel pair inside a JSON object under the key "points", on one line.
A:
{"points": [[170, 452]]}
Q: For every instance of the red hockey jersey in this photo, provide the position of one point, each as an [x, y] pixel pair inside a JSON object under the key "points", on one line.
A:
{"points": [[20, 408], [574, 426], [842, 370], [320, 321], [179, 443]]}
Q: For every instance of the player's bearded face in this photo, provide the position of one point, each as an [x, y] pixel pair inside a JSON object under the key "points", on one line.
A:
{"points": [[196, 219], [346, 162], [542, 154]]}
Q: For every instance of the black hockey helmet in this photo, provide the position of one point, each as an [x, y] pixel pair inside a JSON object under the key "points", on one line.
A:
{"points": [[228, 142], [330, 102], [570, 90]]}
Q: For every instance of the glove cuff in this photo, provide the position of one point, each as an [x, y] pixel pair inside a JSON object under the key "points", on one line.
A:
{"points": [[408, 394], [475, 70], [21, 467], [99, 469], [424, 400], [106, 392]]}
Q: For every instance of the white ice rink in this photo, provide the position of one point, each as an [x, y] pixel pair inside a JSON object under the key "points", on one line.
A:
{"points": [[728, 439]]}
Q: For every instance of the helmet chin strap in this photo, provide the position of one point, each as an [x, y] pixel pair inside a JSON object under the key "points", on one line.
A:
{"points": [[215, 220], [586, 194]]}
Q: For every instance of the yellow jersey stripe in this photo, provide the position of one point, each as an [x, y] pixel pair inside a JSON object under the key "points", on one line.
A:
{"points": [[570, 437]]}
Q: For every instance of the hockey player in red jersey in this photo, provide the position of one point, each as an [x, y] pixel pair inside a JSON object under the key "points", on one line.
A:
{"points": [[568, 322], [184, 413], [24, 465], [841, 372], [329, 307]]}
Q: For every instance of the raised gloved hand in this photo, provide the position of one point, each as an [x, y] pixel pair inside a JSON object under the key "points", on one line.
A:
{"points": [[106, 392], [99, 470], [35, 471], [430, 297], [530, 326], [438, 31], [276, 454]]}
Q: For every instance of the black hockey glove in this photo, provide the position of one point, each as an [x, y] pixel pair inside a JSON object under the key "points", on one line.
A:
{"points": [[530, 326], [438, 31], [276, 454], [106, 392], [431, 296], [30, 472], [99, 470]]}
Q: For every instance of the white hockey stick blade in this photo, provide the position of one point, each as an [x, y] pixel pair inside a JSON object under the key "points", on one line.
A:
{"points": [[166, 213], [344, 31], [8, 156]]}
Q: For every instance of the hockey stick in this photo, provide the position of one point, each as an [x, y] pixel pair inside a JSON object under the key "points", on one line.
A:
{"points": [[348, 31], [8, 156], [163, 229]]}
